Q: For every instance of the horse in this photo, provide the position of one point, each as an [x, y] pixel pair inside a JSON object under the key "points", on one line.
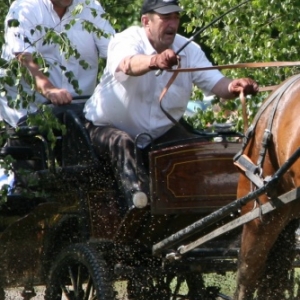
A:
{"points": [[268, 242]]}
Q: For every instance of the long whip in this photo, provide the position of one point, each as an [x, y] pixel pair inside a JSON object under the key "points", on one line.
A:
{"points": [[159, 72]]}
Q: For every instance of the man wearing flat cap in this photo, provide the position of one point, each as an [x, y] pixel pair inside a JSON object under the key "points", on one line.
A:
{"points": [[125, 103], [161, 7]]}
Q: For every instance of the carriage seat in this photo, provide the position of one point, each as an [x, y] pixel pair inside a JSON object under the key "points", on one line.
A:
{"points": [[73, 152], [76, 159], [77, 148]]}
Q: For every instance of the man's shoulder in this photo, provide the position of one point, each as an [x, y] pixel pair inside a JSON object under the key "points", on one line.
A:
{"points": [[130, 31], [25, 3], [180, 40], [133, 33], [25, 7]]}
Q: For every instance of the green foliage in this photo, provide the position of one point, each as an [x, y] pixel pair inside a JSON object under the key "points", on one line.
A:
{"points": [[4, 8], [6, 165], [257, 31], [122, 13], [229, 111]]}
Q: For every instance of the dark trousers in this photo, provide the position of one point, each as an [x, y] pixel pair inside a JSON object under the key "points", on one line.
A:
{"points": [[130, 164]]}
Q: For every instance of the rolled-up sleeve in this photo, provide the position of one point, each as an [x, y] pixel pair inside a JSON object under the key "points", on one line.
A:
{"points": [[122, 46]]}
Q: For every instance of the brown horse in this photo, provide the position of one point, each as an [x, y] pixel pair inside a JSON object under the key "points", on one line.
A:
{"points": [[267, 245]]}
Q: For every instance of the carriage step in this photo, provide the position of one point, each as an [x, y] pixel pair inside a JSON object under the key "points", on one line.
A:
{"points": [[208, 253]]}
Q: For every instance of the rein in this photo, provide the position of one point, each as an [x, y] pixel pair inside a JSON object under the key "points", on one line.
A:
{"points": [[222, 67], [251, 170], [240, 65], [204, 28]]}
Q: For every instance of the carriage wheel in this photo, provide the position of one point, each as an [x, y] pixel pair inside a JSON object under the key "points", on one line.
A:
{"points": [[189, 286], [79, 273], [198, 290], [149, 288]]}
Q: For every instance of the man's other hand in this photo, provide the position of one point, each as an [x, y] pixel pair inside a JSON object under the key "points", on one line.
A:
{"points": [[246, 85], [165, 60]]}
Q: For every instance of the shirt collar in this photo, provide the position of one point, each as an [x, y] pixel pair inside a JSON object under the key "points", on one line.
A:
{"points": [[48, 4], [177, 44]]}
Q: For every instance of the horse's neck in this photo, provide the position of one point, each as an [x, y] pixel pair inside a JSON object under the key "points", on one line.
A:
{"points": [[274, 99], [254, 164]]}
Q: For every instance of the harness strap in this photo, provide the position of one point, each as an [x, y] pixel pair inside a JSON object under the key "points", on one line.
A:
{"points": [[268, 134], [245, 164], [239, 158], [244, 111], [252, 172], [264, 145], [248, 135], [164, 91], [240, 65]]}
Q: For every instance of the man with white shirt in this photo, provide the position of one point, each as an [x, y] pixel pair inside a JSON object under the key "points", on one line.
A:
{"points": [[125, 103], [26, 26], [60, 43]]}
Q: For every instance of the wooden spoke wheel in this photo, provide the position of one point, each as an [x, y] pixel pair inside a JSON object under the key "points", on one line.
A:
{"points": [[79, 273], [187, 286]]}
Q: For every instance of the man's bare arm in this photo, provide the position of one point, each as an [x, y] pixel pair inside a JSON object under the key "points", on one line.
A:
{"points": [[43, 85]]}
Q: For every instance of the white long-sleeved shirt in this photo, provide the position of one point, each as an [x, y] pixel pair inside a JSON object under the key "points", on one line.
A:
{"points": [[131, 103], [37, 16]]}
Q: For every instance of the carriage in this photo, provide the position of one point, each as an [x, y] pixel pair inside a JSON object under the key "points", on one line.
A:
{"points": [[76, 237]]}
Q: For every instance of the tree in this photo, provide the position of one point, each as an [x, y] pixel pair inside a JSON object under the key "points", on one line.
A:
{"points": [[260, 30]]}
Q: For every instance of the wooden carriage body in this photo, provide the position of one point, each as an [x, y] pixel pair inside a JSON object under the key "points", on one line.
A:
{"points": [[195, 177], [188, 179]]}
